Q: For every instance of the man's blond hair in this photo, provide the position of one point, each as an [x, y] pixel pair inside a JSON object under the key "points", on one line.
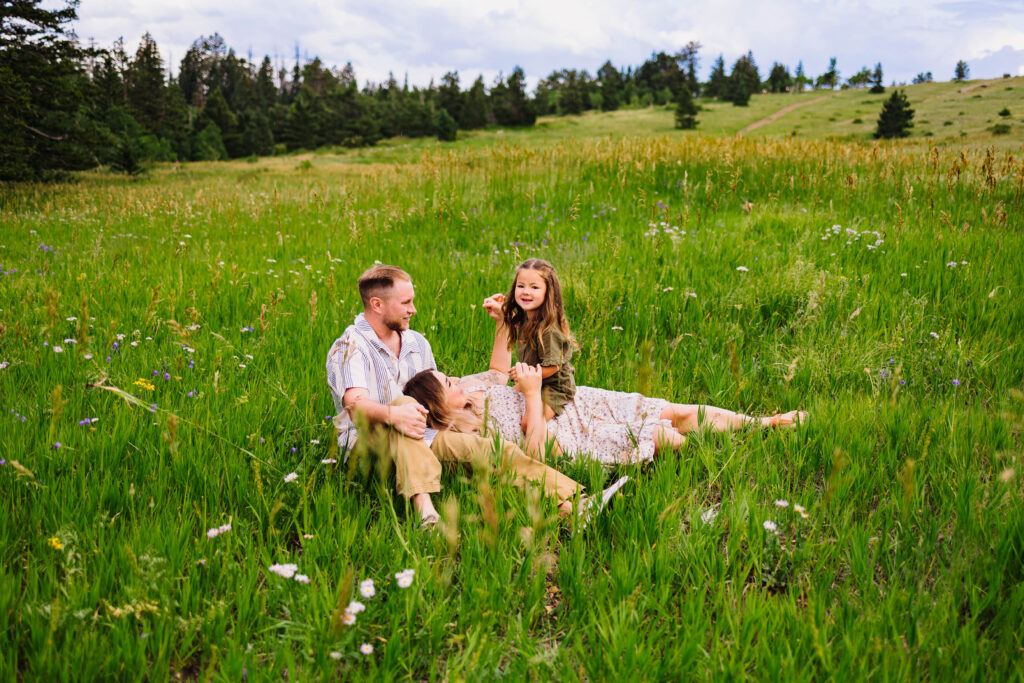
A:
{"points": [[378, 281]]}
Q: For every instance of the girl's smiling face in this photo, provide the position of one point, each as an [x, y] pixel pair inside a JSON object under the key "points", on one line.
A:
{"points": [[530, 290], [456, 397]]}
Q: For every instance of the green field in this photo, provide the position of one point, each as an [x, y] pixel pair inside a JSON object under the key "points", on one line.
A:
{"points": [[193, 309]]}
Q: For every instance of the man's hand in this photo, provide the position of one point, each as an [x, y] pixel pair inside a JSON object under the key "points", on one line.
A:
{"points": [[493, 304], [528, 378], [409, 419]]}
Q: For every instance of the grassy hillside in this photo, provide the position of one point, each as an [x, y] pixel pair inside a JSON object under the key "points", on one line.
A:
{"points": [[162, 345]]}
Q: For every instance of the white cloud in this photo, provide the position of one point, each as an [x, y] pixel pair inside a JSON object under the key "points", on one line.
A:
{"points": [[428, 38]]}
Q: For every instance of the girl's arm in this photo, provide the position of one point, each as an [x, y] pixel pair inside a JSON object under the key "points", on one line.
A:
{"points": [[528, 381], [548, 370], [501, 356]]}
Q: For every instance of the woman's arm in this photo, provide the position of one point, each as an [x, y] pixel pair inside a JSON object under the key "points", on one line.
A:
{"points": [[528, 381]]}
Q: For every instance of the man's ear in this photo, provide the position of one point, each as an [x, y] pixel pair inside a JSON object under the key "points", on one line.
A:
{"points": [[376, 304]]}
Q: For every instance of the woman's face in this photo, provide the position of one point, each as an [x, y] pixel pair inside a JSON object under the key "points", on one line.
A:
{"points": [[456, 397]]}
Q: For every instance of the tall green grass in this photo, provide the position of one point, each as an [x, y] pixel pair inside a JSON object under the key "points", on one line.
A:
{"points": [[878, 291]]}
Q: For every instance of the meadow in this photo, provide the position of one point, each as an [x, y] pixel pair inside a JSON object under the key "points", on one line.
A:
{"points": [[167, 450]]}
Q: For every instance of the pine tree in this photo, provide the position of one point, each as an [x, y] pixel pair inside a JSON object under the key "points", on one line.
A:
{"points": [[718, 83], [475, 113], [744, 80], [447, 128], [962, 71], [611, 86], [686, 109], [800, 79], [449, 95], [896, 116], [43, 87], [779, 79], [145, 87], [876, 78]]}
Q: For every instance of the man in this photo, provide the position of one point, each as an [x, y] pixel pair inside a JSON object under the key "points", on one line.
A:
{"points": [[366, 369]]}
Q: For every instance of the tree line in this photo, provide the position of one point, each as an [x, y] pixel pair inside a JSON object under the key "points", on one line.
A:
{"points": [[67, 107]]}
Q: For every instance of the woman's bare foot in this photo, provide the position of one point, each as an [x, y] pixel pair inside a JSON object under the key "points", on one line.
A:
{"points": [[788, 420]]}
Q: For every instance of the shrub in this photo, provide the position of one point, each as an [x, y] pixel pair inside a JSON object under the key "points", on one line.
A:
{"points": [[1005, 111], [1000, 129]]}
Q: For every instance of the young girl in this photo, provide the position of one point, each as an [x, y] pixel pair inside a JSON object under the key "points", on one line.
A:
{"points": [[535, 319]]}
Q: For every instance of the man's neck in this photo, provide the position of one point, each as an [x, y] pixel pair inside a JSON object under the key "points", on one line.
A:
{"points": [[391, 338]]}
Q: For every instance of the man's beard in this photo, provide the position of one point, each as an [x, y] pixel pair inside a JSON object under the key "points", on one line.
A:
{"points": [[396, 324]]}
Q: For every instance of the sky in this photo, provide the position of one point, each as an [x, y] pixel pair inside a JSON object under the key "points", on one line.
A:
{"points": [[424, 39]]}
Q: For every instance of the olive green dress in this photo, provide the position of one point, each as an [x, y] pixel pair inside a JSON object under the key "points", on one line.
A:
{"points": [[559, 388]]}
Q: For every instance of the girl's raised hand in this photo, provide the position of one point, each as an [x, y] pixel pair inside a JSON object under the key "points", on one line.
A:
{"points": [[493, 304]]}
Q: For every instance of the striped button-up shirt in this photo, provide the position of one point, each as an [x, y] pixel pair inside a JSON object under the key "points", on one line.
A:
{"points": [[359, 359]]}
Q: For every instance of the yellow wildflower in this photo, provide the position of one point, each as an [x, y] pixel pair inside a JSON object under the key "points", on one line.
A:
{"points": [[55, 543], [145, 384]]}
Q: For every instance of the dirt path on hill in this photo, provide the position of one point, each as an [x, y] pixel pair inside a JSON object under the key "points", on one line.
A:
{"points": [[780, 113], [962, 90]]}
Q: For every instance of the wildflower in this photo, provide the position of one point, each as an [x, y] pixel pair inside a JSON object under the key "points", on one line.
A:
{"points": [[708, 516], [366, 649], [144, 383], [290, 477], [742, 269], [302, 578], [667, 289], [153, 407], [769, 525], [616, 327], [314, 441], [4, 364], [782, 503], [367, 589], [69, 340], [348, 618], [286, 571], [405, 577], [335, 655], [934, 334], [951, 264], [224, 528], [56, 444], [800, 508], [328, 461], [87, 356], [57, 349], [903, 274], [355, 607], [213, 533], [956, 383], [55, 543]]}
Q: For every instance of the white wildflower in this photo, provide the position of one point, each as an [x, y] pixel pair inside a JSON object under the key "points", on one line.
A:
{"points": [[290, 477], [366, 649], [286, 571], [742, 269], [782, 503], [301, 578], [405, 577], [367, 589], [769, 525]]}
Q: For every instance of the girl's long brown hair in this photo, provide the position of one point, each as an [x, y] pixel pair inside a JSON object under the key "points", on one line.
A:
{"points": [[552, 311], [430, 393]]}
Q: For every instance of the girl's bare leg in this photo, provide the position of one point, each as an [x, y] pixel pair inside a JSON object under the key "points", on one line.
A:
{"points": [[686, 418]]}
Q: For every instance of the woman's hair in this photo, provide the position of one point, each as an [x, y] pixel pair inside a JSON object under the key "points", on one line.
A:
{"points": [[552, 310], [430, 393]]}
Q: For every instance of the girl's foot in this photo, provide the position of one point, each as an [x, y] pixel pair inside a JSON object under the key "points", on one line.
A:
{"points": [[789, 420]]}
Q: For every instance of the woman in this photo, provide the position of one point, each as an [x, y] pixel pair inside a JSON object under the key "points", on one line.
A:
{"points": [[609, 426]]}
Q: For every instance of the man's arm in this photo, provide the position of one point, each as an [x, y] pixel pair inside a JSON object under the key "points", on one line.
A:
{"points": [[409, 419]]}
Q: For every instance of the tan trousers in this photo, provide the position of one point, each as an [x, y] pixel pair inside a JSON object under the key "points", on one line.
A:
{"points": [[418, 467]]}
